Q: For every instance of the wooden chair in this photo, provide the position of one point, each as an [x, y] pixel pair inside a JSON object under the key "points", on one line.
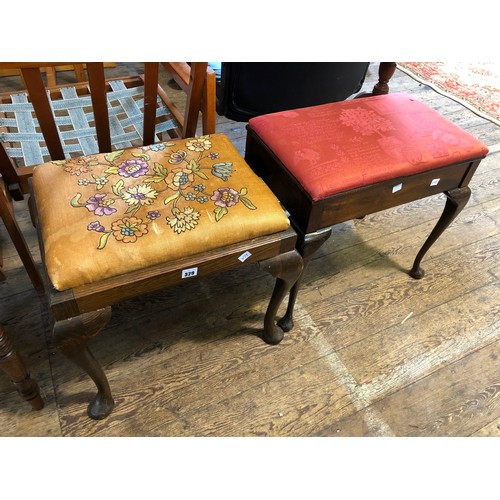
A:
{"points": [[332, 163], [129, 221], [12, 365], [9, 219], [30, 131]]}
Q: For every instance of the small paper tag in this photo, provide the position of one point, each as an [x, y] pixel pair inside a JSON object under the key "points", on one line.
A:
{"points": [[435, 182], [397, 188], [244, 256], [189, 273]]}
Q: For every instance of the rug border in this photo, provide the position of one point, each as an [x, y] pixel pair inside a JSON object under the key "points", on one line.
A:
{"points": [[445, 93]]}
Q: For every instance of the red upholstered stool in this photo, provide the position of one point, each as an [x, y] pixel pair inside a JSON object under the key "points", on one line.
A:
{"points": [[335, 162]]}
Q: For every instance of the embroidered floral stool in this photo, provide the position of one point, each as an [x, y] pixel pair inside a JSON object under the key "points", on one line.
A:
{"points": [[335, 162], [132, 221]]}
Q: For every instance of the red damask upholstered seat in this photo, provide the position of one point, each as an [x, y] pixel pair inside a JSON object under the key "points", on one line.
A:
{"points": [[339, 161]]}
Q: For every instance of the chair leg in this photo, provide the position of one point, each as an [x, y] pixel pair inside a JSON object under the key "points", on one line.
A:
{"points": [[12, 364], [71, 336], [286, 268], [307, 246], [19, 242], [2, 275], [456, 199]]}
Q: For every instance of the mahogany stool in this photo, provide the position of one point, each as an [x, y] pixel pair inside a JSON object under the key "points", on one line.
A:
{"points": [[340, 161]]}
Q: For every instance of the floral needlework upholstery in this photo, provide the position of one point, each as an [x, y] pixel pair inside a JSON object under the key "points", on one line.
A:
{"points": [[336, 147], [107, 214]]}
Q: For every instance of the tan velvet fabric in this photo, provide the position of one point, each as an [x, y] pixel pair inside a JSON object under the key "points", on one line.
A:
{"points": [[107, 214]]}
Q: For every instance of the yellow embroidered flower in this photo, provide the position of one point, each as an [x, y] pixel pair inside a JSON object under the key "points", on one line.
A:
{"points": [[183, 221], [139, 195], [200, 144], [129, 229]]}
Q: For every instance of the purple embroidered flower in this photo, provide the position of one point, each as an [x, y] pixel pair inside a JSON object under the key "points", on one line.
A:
{"points": [[132, 168], [96, 226], [153, 214], [213, 156], [99, 205], [225, 197], [177, 157]]}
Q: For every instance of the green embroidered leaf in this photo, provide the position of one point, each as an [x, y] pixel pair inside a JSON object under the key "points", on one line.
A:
{"points": [[111, 157], [219, 213], [111, 170], [59, 162], [161, 174], [193, 166], [201, 175], [155, 179], [132, 208], [118, 187], [247, 203], [103, 240], [144, 156], [75, 201], [172, 197], [160, 169], [243, 191], [93, 163]]}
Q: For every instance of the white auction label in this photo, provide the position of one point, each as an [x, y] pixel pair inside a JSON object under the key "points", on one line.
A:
{"points": [[189, 273]]}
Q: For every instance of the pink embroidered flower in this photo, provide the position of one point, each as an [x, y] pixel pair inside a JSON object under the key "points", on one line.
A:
{"points": [[225, 197], [82, 165]]}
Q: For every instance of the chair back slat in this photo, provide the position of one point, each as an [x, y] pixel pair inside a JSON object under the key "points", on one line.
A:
{"points": [[41, 104], [150, 96], [96, 114], [194, 97], [97, 84]]}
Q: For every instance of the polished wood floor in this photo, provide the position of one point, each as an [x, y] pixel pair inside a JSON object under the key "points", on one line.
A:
{"points": [[373, 352]]}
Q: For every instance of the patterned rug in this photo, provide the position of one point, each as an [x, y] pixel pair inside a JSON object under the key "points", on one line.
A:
{"points": [[474, 85]]}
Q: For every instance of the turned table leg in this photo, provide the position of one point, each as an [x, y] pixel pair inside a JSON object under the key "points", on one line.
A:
{"points": [[71, 336], [12, 364], [385, 73], [286, 268]]}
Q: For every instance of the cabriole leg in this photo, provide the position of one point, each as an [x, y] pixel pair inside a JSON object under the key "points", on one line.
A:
{"points": [[286, 268], [71, 336], [307, 246], [456, 199]]}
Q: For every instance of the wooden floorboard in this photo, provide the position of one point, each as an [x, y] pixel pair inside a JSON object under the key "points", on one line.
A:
{"points": [[373, 352]]}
